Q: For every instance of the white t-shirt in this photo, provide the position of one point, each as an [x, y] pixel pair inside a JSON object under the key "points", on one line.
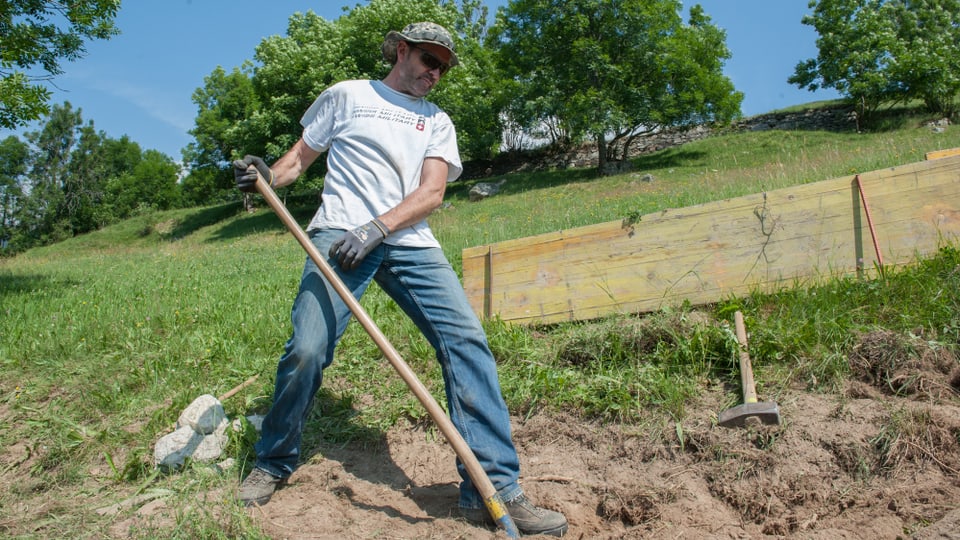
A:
{"points": [[377, 139]]}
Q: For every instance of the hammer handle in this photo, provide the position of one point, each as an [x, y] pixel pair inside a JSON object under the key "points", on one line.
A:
{"points": [[746, 370]]}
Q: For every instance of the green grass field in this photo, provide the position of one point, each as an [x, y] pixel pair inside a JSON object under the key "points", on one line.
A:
{"points": [[105, 338]]}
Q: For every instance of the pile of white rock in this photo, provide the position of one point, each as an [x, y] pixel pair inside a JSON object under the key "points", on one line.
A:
{"points": [[201, 434]]}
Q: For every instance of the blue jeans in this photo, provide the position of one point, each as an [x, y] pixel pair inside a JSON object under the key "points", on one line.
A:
{"points": [[422, 282]]}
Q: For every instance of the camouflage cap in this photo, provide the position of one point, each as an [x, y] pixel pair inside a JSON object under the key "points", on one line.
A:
{"points": [[421, 32]]}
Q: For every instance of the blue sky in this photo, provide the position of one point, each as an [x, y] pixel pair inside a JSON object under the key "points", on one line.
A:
{"points": [[140, 82]]}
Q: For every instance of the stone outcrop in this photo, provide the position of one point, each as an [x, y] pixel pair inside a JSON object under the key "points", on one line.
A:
{"points": [[482, 190]]}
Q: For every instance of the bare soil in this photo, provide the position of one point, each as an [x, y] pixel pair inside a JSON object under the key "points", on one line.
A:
{"points": [[879, 459], [822, 474]]}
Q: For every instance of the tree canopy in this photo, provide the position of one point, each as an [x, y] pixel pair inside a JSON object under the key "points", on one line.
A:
{"points": [[35, 36], [14, 154], [69, 179], [880, 51], [597, 69], [612, 69], [288, 72]]}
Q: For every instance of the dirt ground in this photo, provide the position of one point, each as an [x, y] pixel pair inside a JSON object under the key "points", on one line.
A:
{"points": [[819, 475], [879, 459]]}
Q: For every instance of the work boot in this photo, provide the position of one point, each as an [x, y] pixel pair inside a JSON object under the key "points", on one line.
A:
{"points": [[528, 518], [258, 487]]}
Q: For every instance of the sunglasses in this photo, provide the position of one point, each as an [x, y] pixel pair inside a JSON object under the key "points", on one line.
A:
{"points": [[431, 61]]}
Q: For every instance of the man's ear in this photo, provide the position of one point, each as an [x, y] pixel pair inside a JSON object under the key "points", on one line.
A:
{"points": [[406, 49]]}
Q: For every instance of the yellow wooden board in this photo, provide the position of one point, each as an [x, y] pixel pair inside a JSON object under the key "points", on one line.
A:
{"points": [[938, 154], [704, 253]]}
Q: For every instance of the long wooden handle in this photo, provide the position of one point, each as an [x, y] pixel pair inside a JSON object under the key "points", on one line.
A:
{"points": [[233, 391], [746, 370], [491, 499]]}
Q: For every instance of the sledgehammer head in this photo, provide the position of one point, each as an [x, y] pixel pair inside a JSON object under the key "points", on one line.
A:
{"points": [[767, 411]]}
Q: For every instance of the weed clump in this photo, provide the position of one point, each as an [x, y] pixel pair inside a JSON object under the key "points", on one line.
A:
{"points": [[917, 436], [904, 365]]}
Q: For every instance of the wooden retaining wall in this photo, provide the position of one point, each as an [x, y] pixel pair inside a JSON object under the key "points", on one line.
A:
{"points": [[701, 254]]}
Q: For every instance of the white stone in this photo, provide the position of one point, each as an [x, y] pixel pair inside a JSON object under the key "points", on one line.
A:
{"points": [[172, 450], [204, 415]]}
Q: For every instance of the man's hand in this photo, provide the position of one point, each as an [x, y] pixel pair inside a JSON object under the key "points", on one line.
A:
{"points": [[246, 177], [358, 243]]}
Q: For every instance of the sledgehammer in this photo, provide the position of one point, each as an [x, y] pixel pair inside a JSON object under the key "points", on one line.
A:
{"points": [[766, 411]]}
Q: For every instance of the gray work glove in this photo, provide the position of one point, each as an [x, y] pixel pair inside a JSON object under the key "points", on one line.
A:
{"points": [[247, 179], [358, 243]]}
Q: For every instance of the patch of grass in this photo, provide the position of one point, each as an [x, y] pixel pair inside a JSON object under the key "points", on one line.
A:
{"points": [[710, 169], [618, 368]]}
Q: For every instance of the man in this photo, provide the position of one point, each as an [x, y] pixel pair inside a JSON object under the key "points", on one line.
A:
{"points": [[390, 156]]}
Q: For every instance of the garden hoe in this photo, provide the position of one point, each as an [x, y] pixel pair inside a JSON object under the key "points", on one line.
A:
{"points": [[491, 498], [766, 411]]}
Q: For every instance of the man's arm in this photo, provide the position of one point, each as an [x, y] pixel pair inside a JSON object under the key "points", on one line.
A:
{"points": [[294, 163], [350, 250], [424, 200]]}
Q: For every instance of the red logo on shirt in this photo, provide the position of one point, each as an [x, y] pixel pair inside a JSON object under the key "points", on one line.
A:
{"points": [[421, 123]]}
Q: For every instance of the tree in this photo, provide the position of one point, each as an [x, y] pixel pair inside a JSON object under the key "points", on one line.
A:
{"points": [[205, 186], [879, 51], [41, 219], [223, 103], [84, 181], [857, 41], [293, 69], [35, 36], [257, 111], [14, 156], [612, 70], [474, 94], [94, 163], [72, 179], [150, 185], [157, 176], [928, 63]]}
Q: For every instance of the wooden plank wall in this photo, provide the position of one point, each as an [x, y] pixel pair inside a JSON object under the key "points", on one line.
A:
{"points": [[704, 253]]}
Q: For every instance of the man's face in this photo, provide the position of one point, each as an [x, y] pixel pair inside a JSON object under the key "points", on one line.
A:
{"points": [[420, 66]]}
